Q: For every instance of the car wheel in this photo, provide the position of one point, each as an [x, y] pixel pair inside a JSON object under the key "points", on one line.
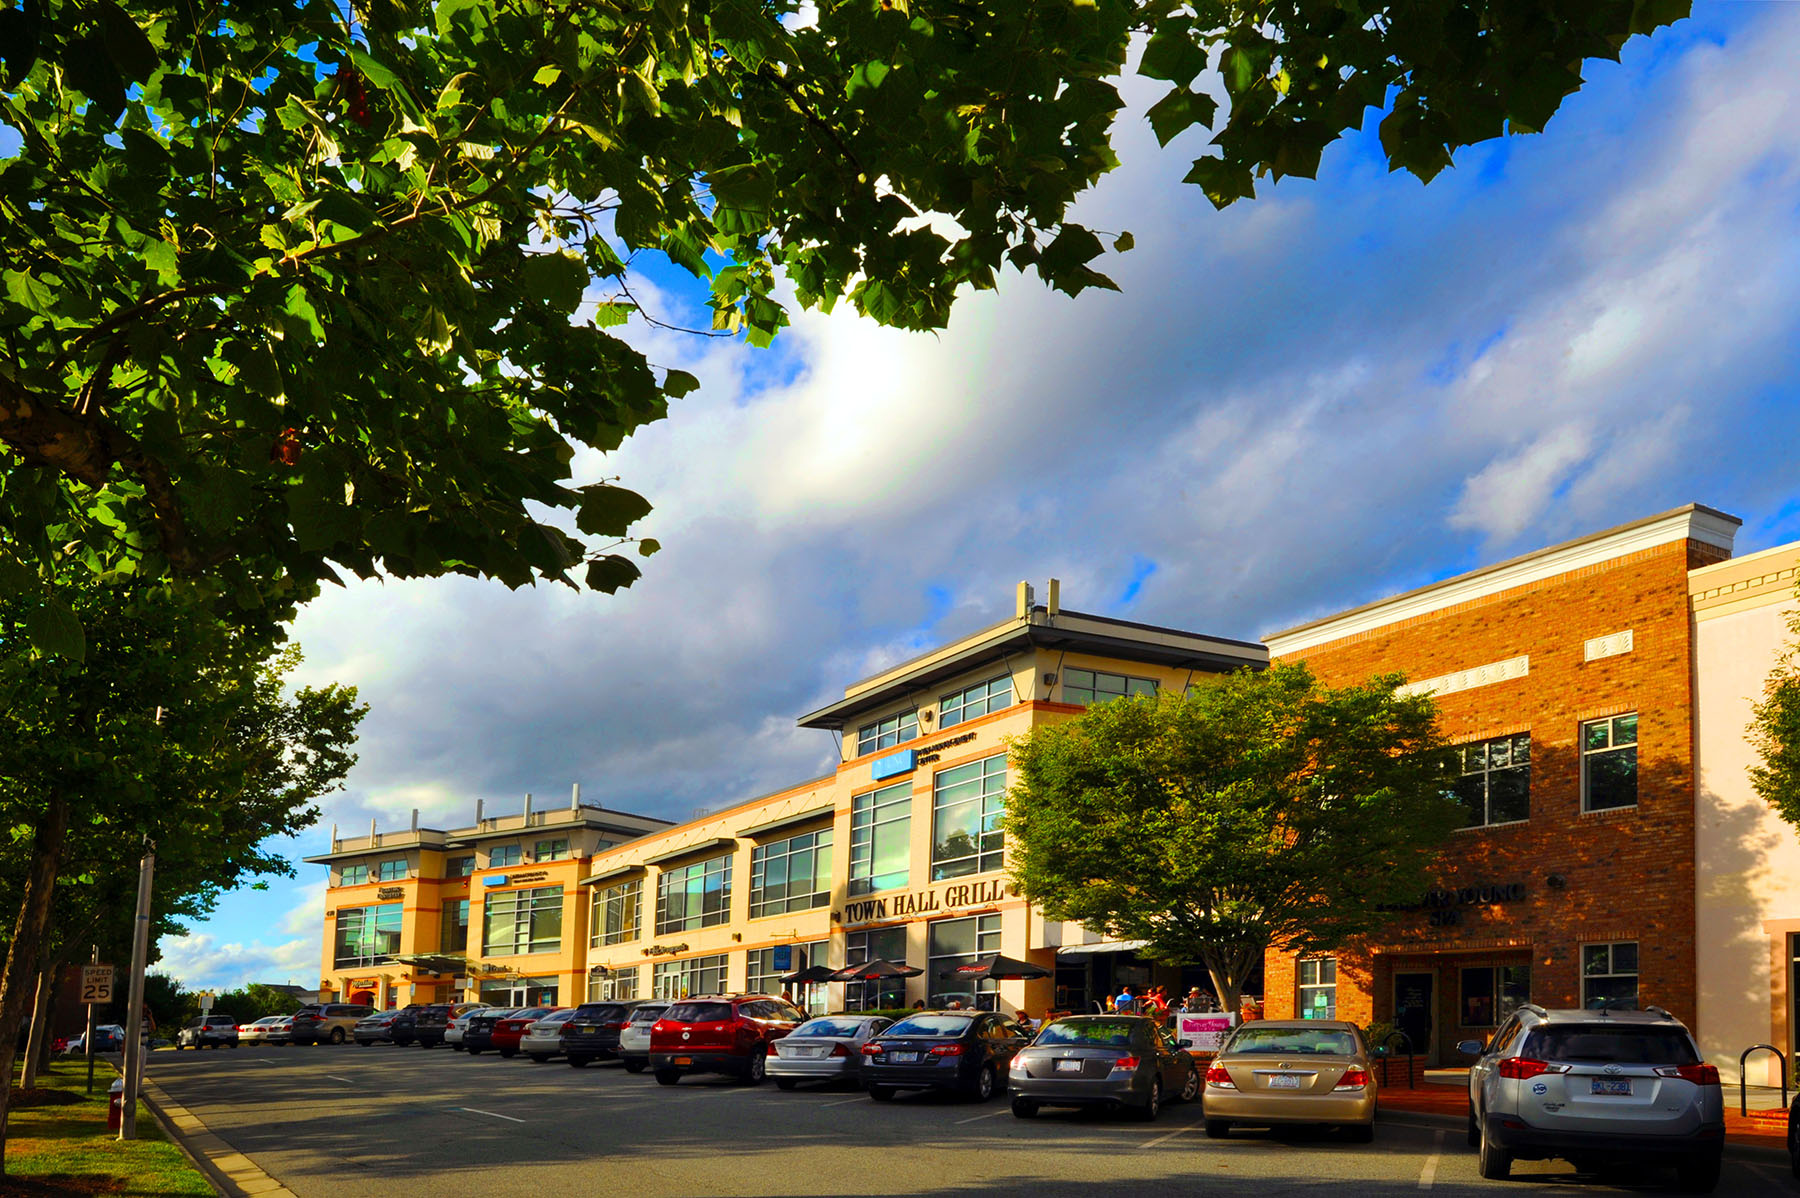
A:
{"points": [[337, 1035], [1153, 1105], [1474, 1129], [667, 1077], [471, 1050], [1700, 1175], [1495, 1162], [1361, 1133], [1218, 1129], [507, 1054], [578, 1062], [1025, 1108], [881, 1093], [634, 1066], [757, 1068], [1190, 1089], [365, 1043], [213, 1045], [984, 1084], [399, 1043], [785, 1083]]}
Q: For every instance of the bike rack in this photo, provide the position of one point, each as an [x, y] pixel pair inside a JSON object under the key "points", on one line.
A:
{"points": [[1744, 1086], [1412, 1082]]}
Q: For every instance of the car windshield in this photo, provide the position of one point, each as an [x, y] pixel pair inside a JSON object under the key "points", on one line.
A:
{"points": [[848, 1028], [598, 1011], [530, 1013], [930, 1025], [1610, 1043], [558, 1017], [1292, 1041], [1093, 1033], [699, 1012]]}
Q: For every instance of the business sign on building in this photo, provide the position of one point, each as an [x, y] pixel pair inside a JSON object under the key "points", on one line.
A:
{"points": [[926, 902], [1204, 1032]]}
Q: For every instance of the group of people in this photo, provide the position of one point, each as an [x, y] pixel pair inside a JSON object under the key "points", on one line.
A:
{"points": [[1157, 1003]]}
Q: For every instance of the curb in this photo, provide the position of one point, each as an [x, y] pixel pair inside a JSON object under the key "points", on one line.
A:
{"points": [[232, 1173], [1757, 1153]]}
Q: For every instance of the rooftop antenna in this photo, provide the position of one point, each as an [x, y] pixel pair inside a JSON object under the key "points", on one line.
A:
{"points": [[575, 797]]}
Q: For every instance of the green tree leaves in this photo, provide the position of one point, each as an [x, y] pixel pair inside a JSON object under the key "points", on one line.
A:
{"points": [[1775, 733]]}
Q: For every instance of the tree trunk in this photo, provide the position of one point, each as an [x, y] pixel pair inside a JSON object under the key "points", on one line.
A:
{"points": [[28, 934], [53, 968], [40, 1030], [1227, 984]]}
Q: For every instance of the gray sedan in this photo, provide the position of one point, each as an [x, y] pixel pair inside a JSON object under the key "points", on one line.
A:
{"points": [[825, 1049], [1102, 1060]]}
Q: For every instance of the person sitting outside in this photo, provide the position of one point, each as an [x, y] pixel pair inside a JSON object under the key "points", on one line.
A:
{"points": [[1126, 1002]]}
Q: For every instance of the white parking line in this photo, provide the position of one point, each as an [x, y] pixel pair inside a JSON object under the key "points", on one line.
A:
{"points": [[1764, 1171], [848, 1101], [1177, 1132], [1428, 1175], [334, 1077], [988, 1115], [489, 1114]]}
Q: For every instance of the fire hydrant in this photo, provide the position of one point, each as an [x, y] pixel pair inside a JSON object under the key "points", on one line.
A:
{"points": [[115, 1106]]}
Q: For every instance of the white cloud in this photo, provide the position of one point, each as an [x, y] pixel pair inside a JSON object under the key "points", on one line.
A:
{"points": [[1510, 494], [200, 961]]}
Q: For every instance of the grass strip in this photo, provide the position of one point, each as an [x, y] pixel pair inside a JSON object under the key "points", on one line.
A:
{"points": [[60, 1145]]}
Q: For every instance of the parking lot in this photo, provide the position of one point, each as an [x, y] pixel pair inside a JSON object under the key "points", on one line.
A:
{"points": [[330, 1121]]}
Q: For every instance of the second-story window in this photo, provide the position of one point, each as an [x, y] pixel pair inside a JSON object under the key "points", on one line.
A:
{"points": [[352, 875], [791, 875], [505, 855], [885, 734], [1092, 686], [1495, 785], [522, 921], [366, 935], [1609, 761], [615, 914], [454, 932], [966, 805], [458, 867], [391, 871], [976, 700], [880, 838], [551, 850], [694, 896]]}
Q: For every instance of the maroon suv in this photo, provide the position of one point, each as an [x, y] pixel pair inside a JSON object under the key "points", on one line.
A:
{"points": [[719, 1034]]}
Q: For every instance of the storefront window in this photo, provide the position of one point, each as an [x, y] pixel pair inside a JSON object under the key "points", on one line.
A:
{"points": [[551, 850], [880, 838], [1609, 975], [1609, 763], [367, 935], [1490, 994], [976, 700], [694, 896], [454, 932], [614, 914], [391, 871], [620, 985], [885, 734], [1495, 785], [791, 875], [765, 974], [504, 856], [1091, 686], [955, 942], [967, 803], [683, 979], [881, 944], [519, 992], [522, 921], [1318, 988]]}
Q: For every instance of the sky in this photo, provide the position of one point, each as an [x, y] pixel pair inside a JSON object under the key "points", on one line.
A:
{"points": [[1345, 388]]}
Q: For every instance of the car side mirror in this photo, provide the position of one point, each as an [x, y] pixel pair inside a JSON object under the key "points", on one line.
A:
{"points": [[1471, 1047]]}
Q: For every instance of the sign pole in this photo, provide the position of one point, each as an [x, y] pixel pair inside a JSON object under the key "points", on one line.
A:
{"points": [[134, 1011], [88, 1042]]}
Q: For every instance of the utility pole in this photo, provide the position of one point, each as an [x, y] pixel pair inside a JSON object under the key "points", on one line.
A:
{"points": [[134, 1012]]}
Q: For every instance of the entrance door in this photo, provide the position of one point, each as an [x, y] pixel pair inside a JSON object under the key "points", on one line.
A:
{"points": [[1415, 1012]]}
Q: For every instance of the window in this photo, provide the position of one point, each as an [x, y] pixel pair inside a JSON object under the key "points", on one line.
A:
{"points": [[694, 896], [551, 850], [454, 936], [1609, 763], [966, 806], [620, 985], [954, 942], [880, 838], [1318, 988], [696, 975], [880, 944], [885, 734], [1490, 994], [505, 855], [1609, 974], [765, 973], [522, 921], [391, 871], [1495, 784], [1091, 686], [367, 935], [352, 875], [615, 914], [976, 700], [791, 875], [458, 867]]}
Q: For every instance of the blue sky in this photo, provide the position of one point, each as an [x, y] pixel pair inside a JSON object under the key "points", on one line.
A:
{"points": [[1345, 388]]}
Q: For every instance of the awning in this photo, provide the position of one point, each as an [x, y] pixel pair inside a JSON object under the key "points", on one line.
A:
{"points": [[704, 846], [788, 821], [434, 962], [610, 874], [1104, 946]]}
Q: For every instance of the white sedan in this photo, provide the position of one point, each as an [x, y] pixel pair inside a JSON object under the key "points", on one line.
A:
{"points": [[543, 1039], [258, 1032]]}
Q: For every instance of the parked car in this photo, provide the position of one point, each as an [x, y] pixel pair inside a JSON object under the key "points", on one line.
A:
{"points": [[1122, 1061], [634, 1037], [258, 1031], [378, 1027], [543, 1037], [1283, 1071], [281, 1031], [1794, 1136], [719, 1034], [428, 1025], [108, 1037], [478, 1028], [966, 1051], [507, 1032], [457, 1026], [827, 1049], [1596, 1088], [592, 1030], [327, 1023], [208, 1031]]}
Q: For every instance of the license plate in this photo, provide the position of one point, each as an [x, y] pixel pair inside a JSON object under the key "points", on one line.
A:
{"points": [[1612, 1085], [904, 1056], [814, 1051], [585, 1027], [684, 1060], [1068, 1066], [1284, 1081]]}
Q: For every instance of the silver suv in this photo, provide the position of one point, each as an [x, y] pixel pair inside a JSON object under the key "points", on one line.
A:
{"points": [[634, 1037], [1596, 1087]]}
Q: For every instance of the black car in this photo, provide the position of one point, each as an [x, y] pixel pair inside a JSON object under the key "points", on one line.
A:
{"points": [[965, 1051], [425, 1026], [592, 1032], [478, 1032]]}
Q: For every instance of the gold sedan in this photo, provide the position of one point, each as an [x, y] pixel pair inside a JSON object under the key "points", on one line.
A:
{"points": [[1292, 1071]]}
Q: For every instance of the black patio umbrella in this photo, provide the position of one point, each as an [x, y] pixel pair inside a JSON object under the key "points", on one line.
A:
{"points": [[810, 975], [878, 968], [994, 969]]}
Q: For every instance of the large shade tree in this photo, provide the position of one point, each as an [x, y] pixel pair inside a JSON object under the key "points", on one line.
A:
{"points": [[1261, 809]]}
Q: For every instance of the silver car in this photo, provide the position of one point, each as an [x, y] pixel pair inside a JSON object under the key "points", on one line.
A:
{"points": [[634, 1037], [1124, 1062], [826, 1049], [543, 1039], [1596, 1088]]}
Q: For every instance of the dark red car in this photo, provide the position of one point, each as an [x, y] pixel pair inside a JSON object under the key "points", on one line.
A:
{"points": [[719, 1034], [509, 1031]]}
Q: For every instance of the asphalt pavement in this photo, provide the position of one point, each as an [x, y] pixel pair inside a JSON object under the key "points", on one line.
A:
{"points": [[345, 1121]]}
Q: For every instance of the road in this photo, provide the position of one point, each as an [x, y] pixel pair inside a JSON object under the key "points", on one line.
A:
{"points": [[343, 1122]]}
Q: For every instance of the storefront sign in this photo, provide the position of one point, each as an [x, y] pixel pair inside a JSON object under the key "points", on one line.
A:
{"points": [[1445, 903], [925, 902], [1204, 1032], [907, 760], [932, 752], [534, 875], [362, 983], [390, 892]]}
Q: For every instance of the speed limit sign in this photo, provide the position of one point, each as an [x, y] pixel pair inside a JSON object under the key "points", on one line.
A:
{"points": [[96, 983]]}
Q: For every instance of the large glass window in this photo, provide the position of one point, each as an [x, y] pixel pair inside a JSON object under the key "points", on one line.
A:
{"points": [[1317, 978], [505, 855], [966, 806], [522, 921], [696, 975], [618, 986], [352, 875], [954, 942], [976, 700], [1609, 763], [1495, 785], [1092, 686], [1609, 974], [551, 850], [1491, 993], [791, 875], [694, 896], [885, 734], [615, 914], [878, 944], [391, 871], [367, 935], [454, 934], [880, 838], [458, 867]]}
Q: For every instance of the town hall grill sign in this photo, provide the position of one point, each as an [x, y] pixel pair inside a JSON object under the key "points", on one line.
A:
{"points": [[924, 902]]}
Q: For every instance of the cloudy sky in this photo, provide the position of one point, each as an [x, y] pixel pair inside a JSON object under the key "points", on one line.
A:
{"points": [[1345, 388]]}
